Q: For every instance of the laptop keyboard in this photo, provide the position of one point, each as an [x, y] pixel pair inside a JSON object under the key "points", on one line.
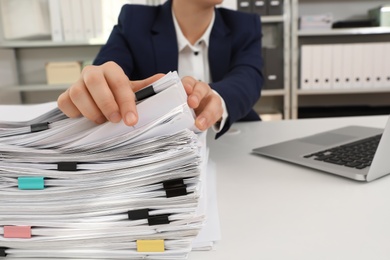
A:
{"points": [[357, 154]]}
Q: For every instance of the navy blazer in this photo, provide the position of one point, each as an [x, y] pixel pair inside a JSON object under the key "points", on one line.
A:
{"points": [[144, 43]]}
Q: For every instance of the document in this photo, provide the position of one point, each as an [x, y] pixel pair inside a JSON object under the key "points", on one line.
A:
{"points": [[79, 190], [337, 66], [306, 67]]}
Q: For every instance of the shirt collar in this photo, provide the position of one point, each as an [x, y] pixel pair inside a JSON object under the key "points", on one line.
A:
{"points": [[182, 41]]}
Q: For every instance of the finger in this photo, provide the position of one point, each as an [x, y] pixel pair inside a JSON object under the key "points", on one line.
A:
{"points": [[83, 101], [199, 92], [122, 93], [188, 83], [209, 112], [66, 105], [139, 84], [100, 90]]}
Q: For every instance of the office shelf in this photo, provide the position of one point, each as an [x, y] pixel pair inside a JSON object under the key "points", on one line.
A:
{"points": [[277, 98], [353, 31], [313, 92], [272, 19], [37, 87], [273, 92], [48, 44], [341, 10]]}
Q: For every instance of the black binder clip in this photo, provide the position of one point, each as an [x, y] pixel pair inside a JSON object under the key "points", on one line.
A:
{"points": [[39, 127], [158, 220], [138, 214], [145, 93], [173, 183], [175, 188], [2, 251], [67, 166], [144, 214], [176, 191]]}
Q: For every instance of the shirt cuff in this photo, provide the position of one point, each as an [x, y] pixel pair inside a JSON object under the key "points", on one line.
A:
{"points": [[217, 127]]}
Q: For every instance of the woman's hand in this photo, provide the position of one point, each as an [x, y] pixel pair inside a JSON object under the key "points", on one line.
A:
{"points": [[103, 93], [206, 103]]}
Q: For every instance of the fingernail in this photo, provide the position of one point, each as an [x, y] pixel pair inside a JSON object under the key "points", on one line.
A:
{"points": [[100, 120], [131, 118], [115, 117], [195, 99], [201, 123]]}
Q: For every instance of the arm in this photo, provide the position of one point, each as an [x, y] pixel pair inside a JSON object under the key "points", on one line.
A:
{"points": [[104, 92], [240, 86]]}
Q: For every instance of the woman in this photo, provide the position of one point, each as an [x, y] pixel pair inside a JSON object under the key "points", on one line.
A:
{"points": [[217, 52]]}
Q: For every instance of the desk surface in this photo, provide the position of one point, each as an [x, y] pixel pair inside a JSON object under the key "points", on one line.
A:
{"points": [[274, 210]]}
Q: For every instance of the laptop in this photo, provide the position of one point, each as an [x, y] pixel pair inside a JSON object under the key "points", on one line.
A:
{"points": [[356, 152]]}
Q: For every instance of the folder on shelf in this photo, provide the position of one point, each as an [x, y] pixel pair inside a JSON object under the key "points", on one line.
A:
{"points": [[77, 19], [97, 19], [366, 65], [386, 57], [378, 64], [259, 7], [244, 5], [55, 21], [67, 20], [360, 61], [316, 66], [337, 66], [87, 9], [274, 7], [326, 73], [306, 80], [15, 13], [347, 69], [273, 68]]}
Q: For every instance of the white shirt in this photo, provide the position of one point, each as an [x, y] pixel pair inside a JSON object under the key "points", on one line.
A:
{"points": [[193, 61]]}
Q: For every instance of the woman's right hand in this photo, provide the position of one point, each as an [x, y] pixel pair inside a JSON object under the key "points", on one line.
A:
{"points": [[103, 93]]}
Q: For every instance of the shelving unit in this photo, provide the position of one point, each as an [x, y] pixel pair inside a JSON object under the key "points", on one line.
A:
{"points": [[279, 99], [31, 58], [341, 10]]}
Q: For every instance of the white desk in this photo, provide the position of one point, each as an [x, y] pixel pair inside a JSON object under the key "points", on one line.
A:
{"points": [[273, 210]]}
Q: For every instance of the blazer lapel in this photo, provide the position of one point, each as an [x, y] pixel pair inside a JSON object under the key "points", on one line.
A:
{"points": [[219, 49], [164, 40]]}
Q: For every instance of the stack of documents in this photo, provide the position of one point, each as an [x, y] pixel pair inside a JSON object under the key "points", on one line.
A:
{"points": [[73, 189]]}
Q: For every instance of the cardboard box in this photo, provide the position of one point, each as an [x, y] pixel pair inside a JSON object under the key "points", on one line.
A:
{"points": [[62, 72], [313, 22]]}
